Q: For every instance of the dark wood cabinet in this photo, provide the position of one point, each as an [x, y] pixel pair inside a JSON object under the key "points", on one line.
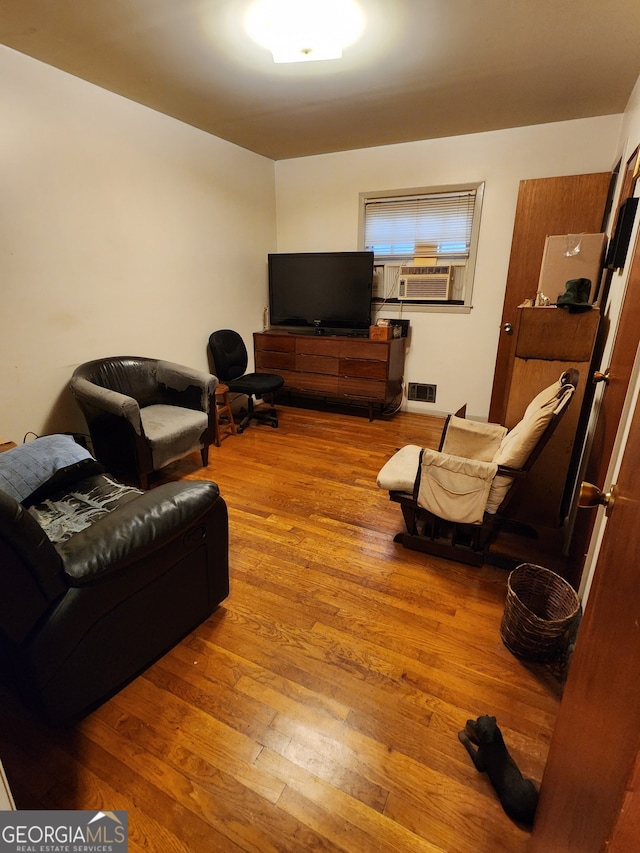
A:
{"points": [[548, 341], [354, 370]]}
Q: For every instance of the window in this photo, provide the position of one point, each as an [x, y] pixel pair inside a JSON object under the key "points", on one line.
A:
{"points": [[424, 242]]}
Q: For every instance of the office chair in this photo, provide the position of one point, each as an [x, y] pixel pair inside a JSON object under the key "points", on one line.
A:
{"points": [[230, 359]]}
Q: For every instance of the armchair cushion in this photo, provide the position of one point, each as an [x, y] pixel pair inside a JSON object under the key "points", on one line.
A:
{"points": [[454, 488], [172, 431], [398, 474], [519, 443]]}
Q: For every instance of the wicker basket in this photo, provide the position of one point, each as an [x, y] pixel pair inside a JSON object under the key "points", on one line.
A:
{"points": [[538, 613]]}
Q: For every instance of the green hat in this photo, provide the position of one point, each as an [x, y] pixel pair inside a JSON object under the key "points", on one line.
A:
{"points": [[576, 295]]}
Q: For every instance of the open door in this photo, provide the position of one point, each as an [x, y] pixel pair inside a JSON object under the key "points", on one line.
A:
{"points": [[614, 376], [590, 792]]}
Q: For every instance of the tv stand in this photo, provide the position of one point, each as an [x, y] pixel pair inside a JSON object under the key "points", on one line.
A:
{"points": [[351, 369]]}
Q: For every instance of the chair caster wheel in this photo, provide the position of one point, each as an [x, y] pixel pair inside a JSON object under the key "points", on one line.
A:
{"points": [[274, 426], [239, 430]]}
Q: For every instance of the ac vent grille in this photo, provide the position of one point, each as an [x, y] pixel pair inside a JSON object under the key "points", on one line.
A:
{"points": [[432, 283], [422, 392]]}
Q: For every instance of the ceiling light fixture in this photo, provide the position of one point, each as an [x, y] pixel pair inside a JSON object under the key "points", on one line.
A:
{"points": [[304, 30]]}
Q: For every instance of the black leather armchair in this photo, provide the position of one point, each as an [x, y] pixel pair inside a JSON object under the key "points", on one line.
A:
{"points": [[144, 413], [99, 579]]}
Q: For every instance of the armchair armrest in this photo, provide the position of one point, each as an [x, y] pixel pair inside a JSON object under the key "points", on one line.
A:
{"points": [[181, 381], [135, 530], [472, 439], [112, 402]]}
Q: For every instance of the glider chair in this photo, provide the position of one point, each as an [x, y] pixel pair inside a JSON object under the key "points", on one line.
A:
{"points": [[230, 360], [144, 413], [454, 500]]}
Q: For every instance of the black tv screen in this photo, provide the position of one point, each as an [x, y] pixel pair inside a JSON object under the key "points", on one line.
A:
{"points": [[325, 290]]}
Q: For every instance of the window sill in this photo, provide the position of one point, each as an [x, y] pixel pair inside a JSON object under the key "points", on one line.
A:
{"points": [[420, 306]]}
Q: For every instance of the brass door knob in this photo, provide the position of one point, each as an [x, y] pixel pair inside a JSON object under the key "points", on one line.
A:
{"points": [[591, 496], [601, 377]]}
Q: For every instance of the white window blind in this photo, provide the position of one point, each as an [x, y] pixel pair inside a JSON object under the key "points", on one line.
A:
{"points": [[430, 225]]}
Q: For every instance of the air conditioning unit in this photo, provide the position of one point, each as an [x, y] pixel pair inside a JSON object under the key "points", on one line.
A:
{"points": [[385, 281], [429, 283]]}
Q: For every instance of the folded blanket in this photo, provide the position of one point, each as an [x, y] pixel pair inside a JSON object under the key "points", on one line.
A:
{"points": [[26, 468]]}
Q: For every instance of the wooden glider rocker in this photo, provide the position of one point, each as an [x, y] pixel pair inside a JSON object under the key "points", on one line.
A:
{"points": [[454, 500]]}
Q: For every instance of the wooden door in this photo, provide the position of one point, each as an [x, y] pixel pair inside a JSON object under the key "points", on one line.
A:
{"points": [[590, 781], [610, 407], [566, 205]]}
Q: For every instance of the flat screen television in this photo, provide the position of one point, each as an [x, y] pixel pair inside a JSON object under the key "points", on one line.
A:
{"points": [[325, 291]]}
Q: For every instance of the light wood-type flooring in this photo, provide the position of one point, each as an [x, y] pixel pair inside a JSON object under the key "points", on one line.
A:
{"points": [[318, 708]]}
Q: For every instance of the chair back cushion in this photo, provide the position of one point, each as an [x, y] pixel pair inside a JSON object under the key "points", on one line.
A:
{"points": [[229, 354], [134, 376], [518, 444]]}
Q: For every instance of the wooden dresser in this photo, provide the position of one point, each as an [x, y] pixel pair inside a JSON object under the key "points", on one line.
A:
{"points": [[355, 370]]}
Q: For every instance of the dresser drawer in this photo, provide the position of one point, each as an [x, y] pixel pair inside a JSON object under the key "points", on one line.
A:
{"points": [[362, 389], [314, 345], [360, 367], [275, 361], [316, 382], [274, 343], [317, 364], [364, 348]]}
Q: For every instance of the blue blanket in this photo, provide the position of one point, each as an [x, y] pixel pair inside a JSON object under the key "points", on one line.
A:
{"points": [[27, 467]]}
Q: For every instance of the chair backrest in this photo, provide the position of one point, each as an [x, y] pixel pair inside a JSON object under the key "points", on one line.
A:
{"points": [[523, 444], [229, 354], [135, 376]]}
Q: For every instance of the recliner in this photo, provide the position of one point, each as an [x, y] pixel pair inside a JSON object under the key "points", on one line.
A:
{"points": [[230, 360], [98, 579]]}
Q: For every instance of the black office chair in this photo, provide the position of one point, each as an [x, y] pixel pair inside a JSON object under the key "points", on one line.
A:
{"points": [[229, 355]]}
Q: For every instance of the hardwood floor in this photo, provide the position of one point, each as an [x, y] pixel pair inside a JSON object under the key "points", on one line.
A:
{"points": [[318, 708]]}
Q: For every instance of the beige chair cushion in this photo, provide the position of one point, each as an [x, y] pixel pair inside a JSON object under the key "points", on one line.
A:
{"points": [[519, 443], [472, 439], [400, 472], [454, 488]]}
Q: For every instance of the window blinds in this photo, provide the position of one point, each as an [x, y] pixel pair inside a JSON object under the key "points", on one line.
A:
{"points": [[433, 225]]}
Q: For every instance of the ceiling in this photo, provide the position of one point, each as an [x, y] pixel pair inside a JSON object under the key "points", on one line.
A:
{"points": [[422, 69]]}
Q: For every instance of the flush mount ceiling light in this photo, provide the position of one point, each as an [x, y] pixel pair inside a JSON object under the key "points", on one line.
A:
{"points": [[304, 30]]}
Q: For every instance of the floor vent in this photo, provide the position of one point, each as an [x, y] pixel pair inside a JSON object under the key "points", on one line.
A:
{"points": [[423, 393]]}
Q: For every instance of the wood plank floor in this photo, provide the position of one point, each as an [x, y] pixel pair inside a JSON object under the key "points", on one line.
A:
{"points": [[317, 709]]}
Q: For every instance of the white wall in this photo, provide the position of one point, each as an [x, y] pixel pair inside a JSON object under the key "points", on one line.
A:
{"points": [[122, 231], [317, 210]]}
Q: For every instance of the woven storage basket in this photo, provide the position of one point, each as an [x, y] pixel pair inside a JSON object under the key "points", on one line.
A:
{"points": [[538, 613]]}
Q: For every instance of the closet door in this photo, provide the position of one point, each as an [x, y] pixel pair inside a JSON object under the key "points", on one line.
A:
{"points": [[567, 205]]}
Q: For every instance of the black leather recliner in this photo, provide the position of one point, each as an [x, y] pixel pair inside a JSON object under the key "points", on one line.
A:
{"points": [[99, 579]]}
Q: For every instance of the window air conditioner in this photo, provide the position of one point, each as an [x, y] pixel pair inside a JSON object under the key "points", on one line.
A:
{"points": [[428, 283], [385, 281]]}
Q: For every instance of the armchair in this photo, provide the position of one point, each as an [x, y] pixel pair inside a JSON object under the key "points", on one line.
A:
{"points": [[98, 579], [454, 500], [144, 413]]}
